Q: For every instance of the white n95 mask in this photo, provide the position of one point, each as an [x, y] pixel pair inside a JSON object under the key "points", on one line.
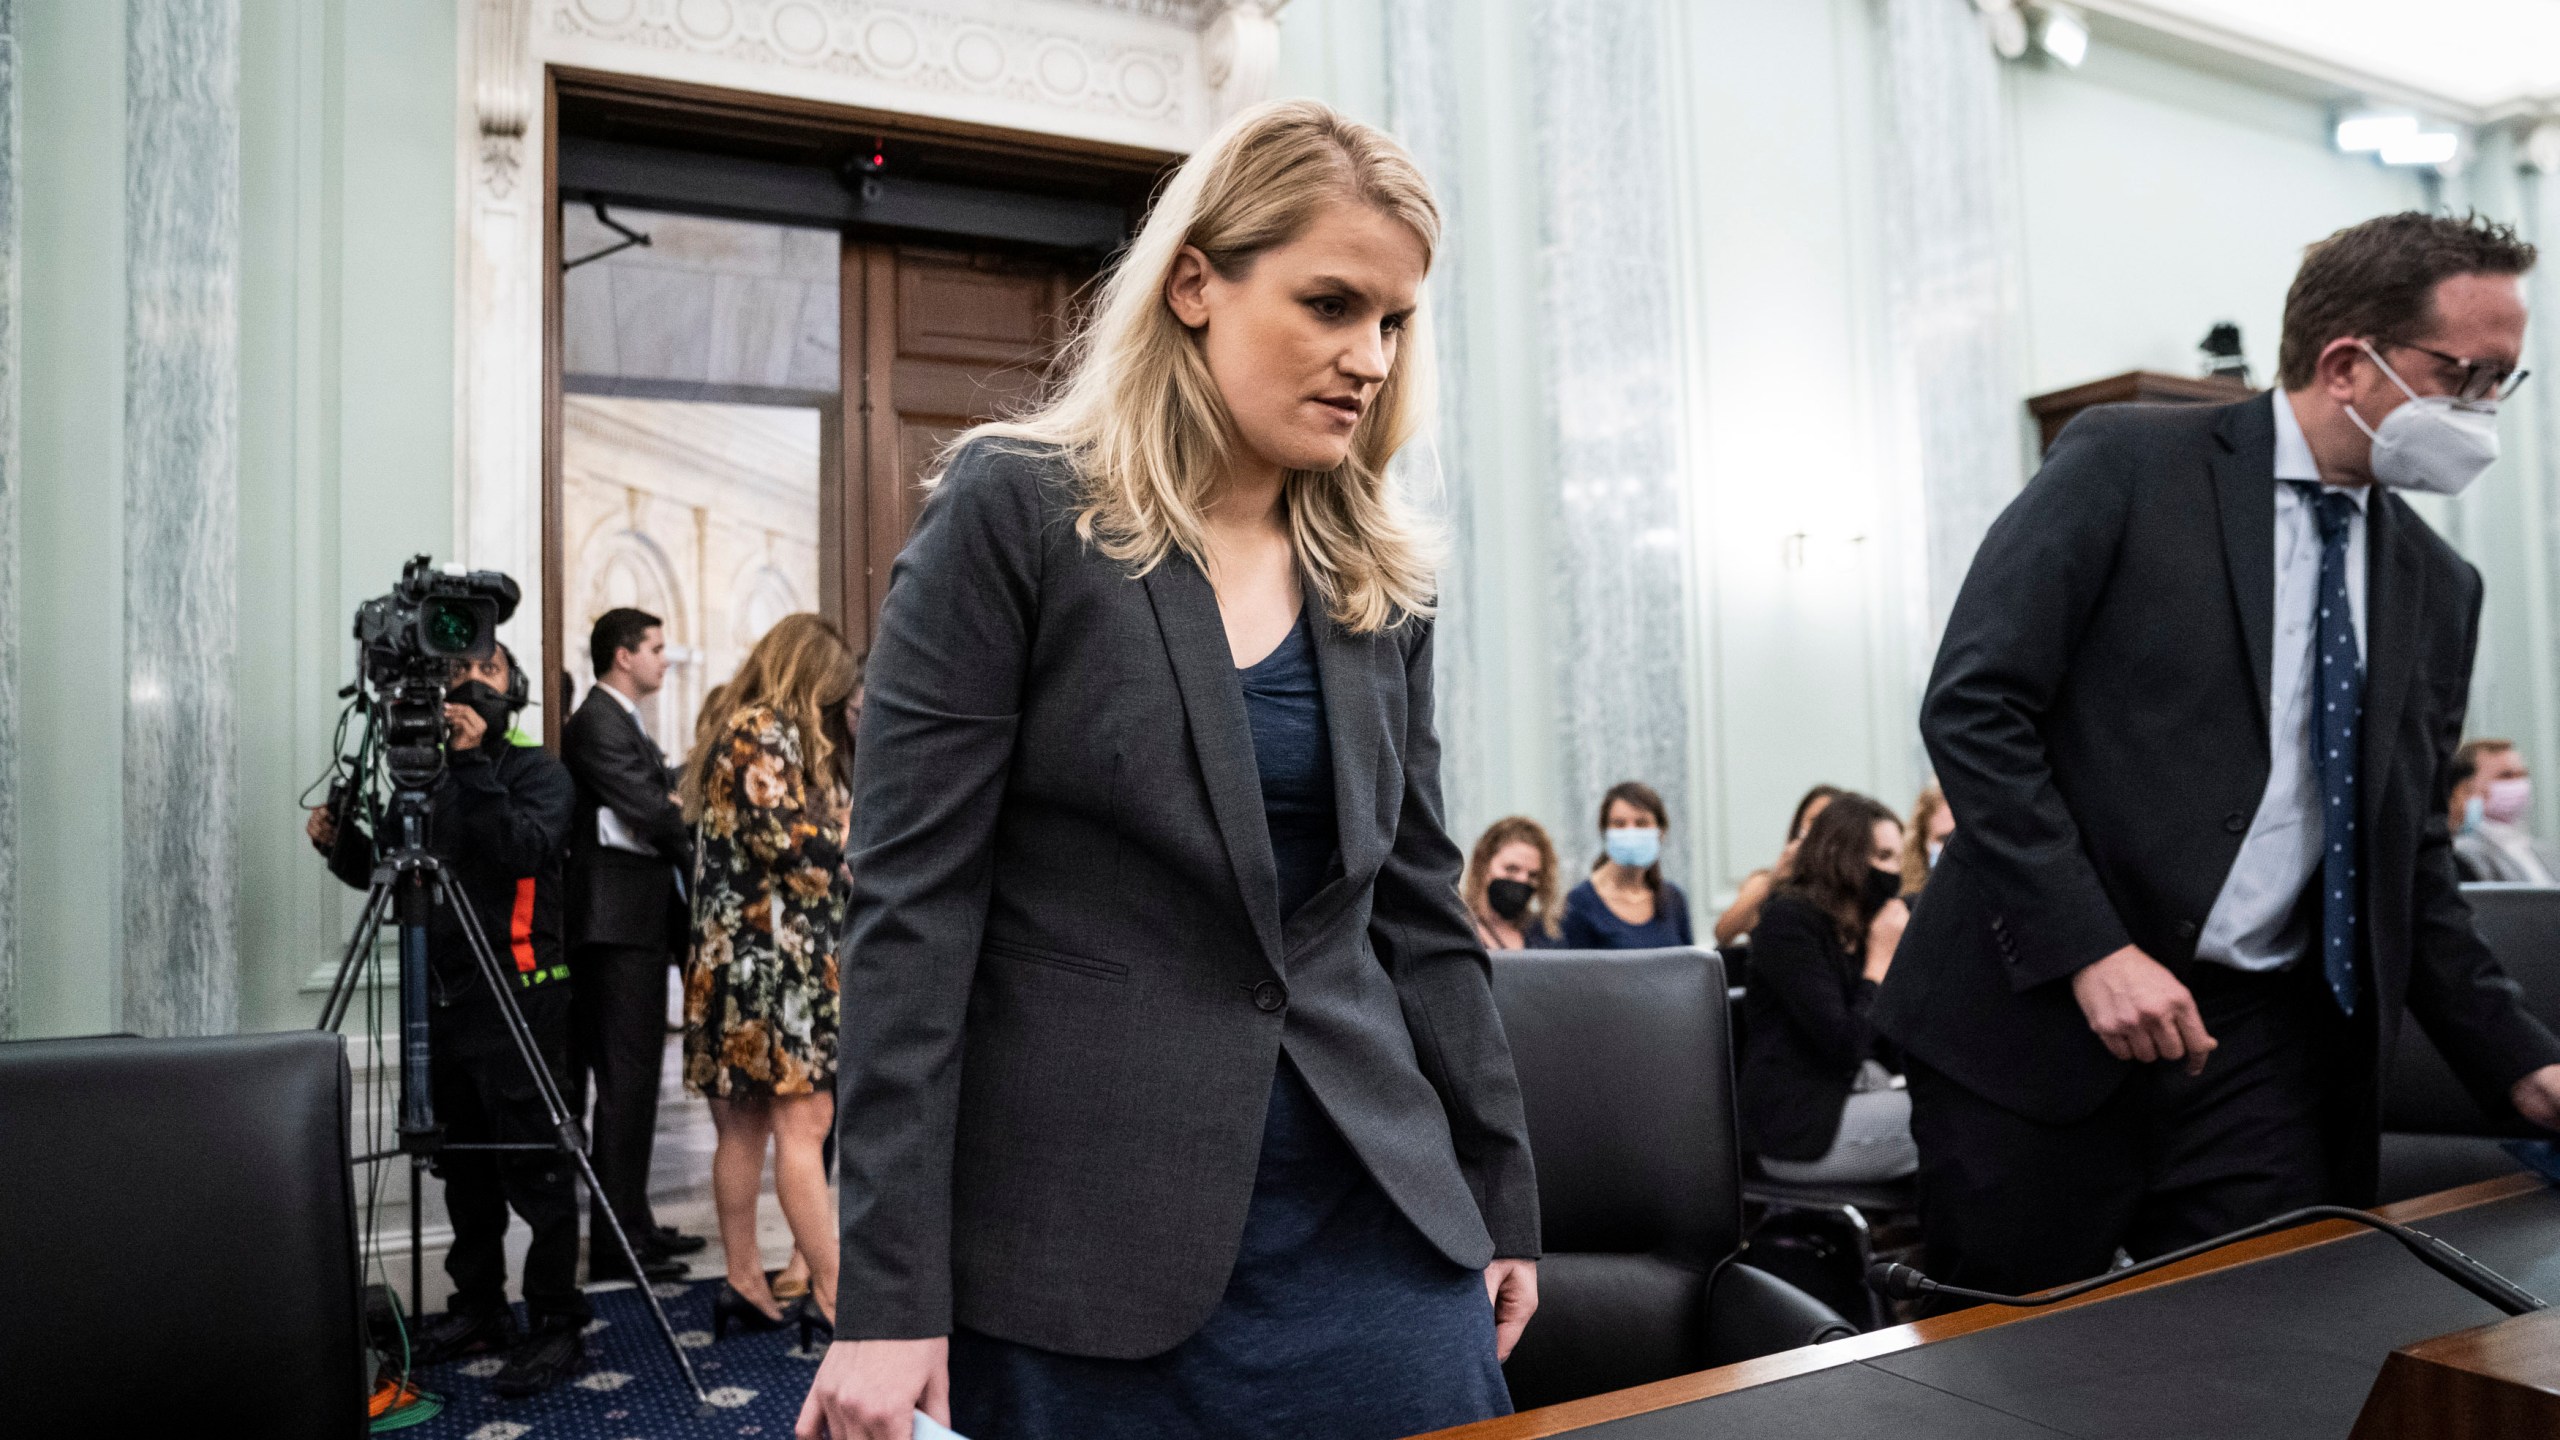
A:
{"points": [[2434, 443]]}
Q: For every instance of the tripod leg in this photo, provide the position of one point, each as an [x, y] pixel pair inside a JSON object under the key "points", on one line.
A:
{"points": [[417, 1245], [566, 1132], [342, 990]]}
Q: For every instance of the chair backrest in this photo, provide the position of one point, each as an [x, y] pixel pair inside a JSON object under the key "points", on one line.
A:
{"points": [[2521, 926], [177, 1238], [1627, 1077]]}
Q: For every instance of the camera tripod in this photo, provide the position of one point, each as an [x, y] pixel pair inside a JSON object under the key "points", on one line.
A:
{"points": [[409, 878]]}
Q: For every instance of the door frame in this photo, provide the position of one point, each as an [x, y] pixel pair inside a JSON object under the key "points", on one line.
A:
{"points": [[855, 547]]}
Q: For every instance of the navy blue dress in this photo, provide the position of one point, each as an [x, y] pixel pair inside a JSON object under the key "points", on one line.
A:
{"points": [[1589, 924], [1340, 1320]]}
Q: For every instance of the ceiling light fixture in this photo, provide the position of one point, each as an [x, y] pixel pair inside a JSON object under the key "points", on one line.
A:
{"points": [[2357, 133], [2064, 36], [2424, 148]]}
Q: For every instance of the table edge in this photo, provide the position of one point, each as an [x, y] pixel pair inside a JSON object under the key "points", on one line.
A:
{"points": [[1788, 1364]]}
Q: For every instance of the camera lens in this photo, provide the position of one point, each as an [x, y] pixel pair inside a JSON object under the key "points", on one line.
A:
{"points": [[449, 629]]}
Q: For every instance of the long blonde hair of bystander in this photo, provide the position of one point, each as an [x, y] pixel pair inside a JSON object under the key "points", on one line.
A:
{"points": [[1142, 420], [803, 671]]}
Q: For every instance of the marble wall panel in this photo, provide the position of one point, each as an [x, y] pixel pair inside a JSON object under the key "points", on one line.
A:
{"points": [[180, 972], [1422, 111], [1607, 299], [661, 319], [8, 518], [1951, 278]]}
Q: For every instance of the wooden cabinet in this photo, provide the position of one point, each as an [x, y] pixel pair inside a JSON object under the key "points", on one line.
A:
{"points": [[2054, 409]]}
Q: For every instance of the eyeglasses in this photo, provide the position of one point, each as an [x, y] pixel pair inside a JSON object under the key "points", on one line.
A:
{"points": [[2481, 379]]}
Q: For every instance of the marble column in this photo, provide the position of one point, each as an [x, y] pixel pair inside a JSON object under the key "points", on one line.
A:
{"points": [[181, 505], [8, 518], [1614, 391], [1422, 111], [1951, 278]]}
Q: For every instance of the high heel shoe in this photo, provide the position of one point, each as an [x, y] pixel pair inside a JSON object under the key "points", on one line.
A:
{"points": [[812, 1319], [729, 1306]]}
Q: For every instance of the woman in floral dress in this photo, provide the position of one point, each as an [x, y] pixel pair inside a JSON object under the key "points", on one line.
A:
{"points": [[766, 789]]}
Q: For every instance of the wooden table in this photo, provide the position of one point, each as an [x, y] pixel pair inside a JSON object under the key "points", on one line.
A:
{"points": [[2517, 1225]]}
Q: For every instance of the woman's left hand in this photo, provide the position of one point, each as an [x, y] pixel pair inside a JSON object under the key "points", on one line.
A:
{"points": [[1512, 1286]]}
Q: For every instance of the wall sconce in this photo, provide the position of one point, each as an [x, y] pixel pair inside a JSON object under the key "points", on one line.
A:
{"points": [[2063, 35]]}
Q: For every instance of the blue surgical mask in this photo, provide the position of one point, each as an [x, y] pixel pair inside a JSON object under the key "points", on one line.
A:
{"points": [[1634, 846], [2472, 810]]}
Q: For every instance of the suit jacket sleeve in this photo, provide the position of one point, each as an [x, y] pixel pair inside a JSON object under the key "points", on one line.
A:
{"points": [[615, 767], [2009, 644], [1793, 955], [940, 714], [1423, 936], [2457, 990]]}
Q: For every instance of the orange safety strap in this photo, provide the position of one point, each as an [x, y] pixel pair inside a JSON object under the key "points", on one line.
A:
{"points": [[520, 929]]}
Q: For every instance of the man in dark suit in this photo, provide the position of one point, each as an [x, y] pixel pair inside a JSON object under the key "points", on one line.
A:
{"points": [[2195, 703], [627, 921]]}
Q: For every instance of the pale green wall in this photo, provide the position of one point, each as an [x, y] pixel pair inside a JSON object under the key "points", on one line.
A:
{"points": [[2157, 199], [345, 459], [1335, 50], [71, 545]]}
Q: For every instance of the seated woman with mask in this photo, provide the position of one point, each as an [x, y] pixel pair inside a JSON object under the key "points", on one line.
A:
{"points": [[1818, 1105], [1510, 886], [1627, 904]]}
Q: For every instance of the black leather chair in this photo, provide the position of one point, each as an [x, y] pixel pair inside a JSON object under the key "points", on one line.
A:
{"points": [[178, 1239], [2434, 1135], [1627, 1075], [1848, 1211]]}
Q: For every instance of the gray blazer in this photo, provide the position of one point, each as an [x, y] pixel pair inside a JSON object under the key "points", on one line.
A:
{"points": [[1066, 981]]}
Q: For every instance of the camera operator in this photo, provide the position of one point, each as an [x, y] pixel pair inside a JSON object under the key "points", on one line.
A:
{"points": [[499, 821]]}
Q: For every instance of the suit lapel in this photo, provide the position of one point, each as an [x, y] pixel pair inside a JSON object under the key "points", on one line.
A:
{"points": [[2245, 489], [1204, 670], [1345, 662], [2395, 602]]}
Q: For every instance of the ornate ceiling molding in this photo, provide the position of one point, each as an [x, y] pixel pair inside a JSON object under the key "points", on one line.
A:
{"points": [[1156, 73]]}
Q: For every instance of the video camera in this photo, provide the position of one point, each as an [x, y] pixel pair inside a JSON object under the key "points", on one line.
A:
{"points": [[411, 639]]}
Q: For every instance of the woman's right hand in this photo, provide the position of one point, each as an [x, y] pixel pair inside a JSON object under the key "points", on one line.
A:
{"points": [[871, 1389]]}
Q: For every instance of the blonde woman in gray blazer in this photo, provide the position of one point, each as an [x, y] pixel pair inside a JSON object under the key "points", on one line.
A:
{"points": [[1173, 1097]]}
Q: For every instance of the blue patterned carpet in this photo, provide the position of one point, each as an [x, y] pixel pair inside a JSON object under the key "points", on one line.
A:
{"points": [[631, 1388]]}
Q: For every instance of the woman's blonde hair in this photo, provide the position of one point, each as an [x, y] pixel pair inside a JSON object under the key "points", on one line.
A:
{"points": [[1139, 416], [802, 671], [1543, 913], [1915, 839]]}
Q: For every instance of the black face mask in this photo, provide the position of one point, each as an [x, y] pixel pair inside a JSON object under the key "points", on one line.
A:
{"points": [[490, 705], [1509, 898], [1882, 886]]}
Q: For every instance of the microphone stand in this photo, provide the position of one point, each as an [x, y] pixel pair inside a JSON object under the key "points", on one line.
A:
{"points": [[1901, 1282]]}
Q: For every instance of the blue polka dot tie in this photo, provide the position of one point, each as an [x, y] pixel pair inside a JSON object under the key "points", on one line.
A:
{"points": [[2337, 718]]}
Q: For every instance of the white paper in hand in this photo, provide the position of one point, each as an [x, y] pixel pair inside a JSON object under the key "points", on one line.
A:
{"points": [[927, 1428]]}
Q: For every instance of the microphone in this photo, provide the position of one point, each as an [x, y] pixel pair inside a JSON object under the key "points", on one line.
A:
{"points": [[1901, 1282]]}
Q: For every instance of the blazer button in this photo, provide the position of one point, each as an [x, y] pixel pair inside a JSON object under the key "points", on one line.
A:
{"points": [[2186, 929], [1269, 997], [2235, 822]]}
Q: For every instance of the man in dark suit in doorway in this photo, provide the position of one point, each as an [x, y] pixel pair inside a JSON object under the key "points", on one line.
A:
{"points": [[627, 921], [2195, 703]]}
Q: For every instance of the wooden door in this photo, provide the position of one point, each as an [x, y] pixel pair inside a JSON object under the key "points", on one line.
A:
{"points": [[935, 341]]}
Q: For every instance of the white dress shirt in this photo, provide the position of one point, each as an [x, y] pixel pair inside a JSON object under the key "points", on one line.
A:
{"points": [[610, 831], [2250, 927]]}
